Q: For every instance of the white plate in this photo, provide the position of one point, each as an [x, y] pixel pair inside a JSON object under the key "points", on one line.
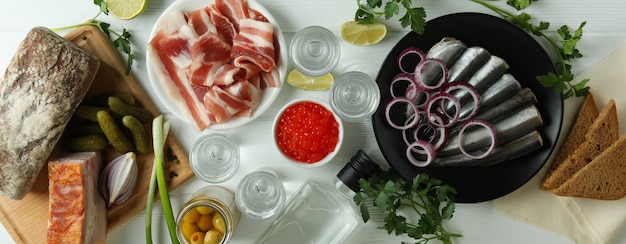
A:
{"points": [[269, 93]]}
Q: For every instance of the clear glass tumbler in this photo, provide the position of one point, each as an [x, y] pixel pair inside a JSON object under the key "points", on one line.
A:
{"points": [[215, 157], [260, 195], [354, 96], [315, 51]]}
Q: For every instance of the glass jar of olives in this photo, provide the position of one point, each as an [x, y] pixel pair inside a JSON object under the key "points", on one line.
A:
{"points": [[209, 217]]}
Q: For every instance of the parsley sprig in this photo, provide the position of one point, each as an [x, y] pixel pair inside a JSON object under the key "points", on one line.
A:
{"points": [[121, 41], [562, 81], [432, 201], [370, 11]]}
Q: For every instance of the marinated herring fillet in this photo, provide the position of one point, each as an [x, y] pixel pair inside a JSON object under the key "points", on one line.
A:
{"points": [[77, 213], [41, 88]]}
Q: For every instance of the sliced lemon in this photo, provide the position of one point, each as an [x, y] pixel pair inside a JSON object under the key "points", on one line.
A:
{"points": [[302, 81], [126, 9], [363, 34]]}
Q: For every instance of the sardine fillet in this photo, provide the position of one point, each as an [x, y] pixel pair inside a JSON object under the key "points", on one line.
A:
{"points": [[41, 88]]}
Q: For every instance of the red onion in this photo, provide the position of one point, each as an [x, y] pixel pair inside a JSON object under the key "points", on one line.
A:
{"points": [[422, 66], [425, 148], [492, 136], [451, 87], [117, 179], [407, 54], [433, 108], [410, 122]]}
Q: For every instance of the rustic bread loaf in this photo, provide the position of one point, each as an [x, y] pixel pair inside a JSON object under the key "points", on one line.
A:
{"points": [[604, 178], [43, 84], [602, 133], [585, 116]]}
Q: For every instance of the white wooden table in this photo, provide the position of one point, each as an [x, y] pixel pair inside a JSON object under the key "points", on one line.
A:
{"points": [[479, 223]]}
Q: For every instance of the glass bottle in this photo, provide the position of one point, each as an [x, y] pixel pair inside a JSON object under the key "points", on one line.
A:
{"points": [[321, 211]]}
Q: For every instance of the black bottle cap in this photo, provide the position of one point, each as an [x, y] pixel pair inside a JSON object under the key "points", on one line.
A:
{"points": [[360, 166]]}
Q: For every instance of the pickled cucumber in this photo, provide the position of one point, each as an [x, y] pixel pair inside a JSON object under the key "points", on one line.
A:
{"points": [[88, 143], [88, 112], [102, 100], [114, 133], [139, 134], [84, 129], [121, 108]]}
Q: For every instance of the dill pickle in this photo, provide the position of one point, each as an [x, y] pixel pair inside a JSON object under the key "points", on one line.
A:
{"points": [[88, 112], [84, 129], [140, 136], [119, 107], [114, 133], [102, 100], [88, 143]]}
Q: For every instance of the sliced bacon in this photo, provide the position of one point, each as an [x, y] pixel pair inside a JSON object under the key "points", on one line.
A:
{"points": [[216, 61], [227, 74], [174, 79], [254, 44], [201, 21], [225, 28], [209, 53], [270, 79], [234, 10]]}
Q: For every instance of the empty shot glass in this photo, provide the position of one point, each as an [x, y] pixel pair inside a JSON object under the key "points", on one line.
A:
{"points": [[354, 96], [315, 51], [260, 195], [214, 157]]}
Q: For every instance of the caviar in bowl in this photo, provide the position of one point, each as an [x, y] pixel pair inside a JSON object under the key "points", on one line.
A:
{"points": [[307, 132]]}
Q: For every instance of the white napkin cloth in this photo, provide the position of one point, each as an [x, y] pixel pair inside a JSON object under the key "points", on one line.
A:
{"points": [[583, 221]]}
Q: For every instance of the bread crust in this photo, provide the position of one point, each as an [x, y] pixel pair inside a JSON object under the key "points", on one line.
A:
{"points": [[41, 88]]}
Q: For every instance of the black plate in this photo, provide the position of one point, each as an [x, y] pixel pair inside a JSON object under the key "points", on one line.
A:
{"points": [[527, 60]]}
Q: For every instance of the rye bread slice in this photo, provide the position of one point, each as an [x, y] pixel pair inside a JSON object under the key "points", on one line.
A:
{"points": [[603, 132], [585, 116], [604, 178]]}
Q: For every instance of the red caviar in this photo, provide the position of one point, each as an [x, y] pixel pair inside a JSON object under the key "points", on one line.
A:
{"points": [[307, 132]]}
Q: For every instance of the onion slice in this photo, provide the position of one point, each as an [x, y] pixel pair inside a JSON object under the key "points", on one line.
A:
{"points": [[427, 150], [426, 65], [410, 121], [435, 106], [407, 56], [492, 137], [451, 87], [118, 179]]}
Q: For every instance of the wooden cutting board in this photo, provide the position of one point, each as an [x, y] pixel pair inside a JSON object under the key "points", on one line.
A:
{"points": [[27, 219]]}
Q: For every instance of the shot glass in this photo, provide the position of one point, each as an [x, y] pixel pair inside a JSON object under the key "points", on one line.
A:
{"points": [[260, 195], [214, 157], [354, 96], [315, 51]]}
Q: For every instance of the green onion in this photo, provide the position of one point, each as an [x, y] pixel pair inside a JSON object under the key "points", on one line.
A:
{"points": [[160, 129]]}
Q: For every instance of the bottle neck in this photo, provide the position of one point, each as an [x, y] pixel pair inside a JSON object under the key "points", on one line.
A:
{"points": [[343, 188]]}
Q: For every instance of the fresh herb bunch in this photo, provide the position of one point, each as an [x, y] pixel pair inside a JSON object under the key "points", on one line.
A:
{"points": [[415, 17], [431, 200], [120, 41], [565, 46]]}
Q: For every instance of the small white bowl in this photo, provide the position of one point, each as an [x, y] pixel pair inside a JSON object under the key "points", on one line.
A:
{"points": [[330, 155]]}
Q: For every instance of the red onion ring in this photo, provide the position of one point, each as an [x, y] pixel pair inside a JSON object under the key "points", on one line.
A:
{"points": [[431, 109], [471, 90], [408, 52], [492, 136], [422, 146], [408, 123], [420, 82], [400, 78]]}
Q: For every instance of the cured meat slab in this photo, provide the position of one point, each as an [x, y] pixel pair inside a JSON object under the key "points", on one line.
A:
{"points": [[26, 220], [77, 212]]}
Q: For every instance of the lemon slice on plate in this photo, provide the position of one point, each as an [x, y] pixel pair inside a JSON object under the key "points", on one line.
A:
{"points": [[126, 9], [302, 81], [363, 34]]}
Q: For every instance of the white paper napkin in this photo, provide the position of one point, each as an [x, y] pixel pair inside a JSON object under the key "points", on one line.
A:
{"points": [[581, 220]]}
